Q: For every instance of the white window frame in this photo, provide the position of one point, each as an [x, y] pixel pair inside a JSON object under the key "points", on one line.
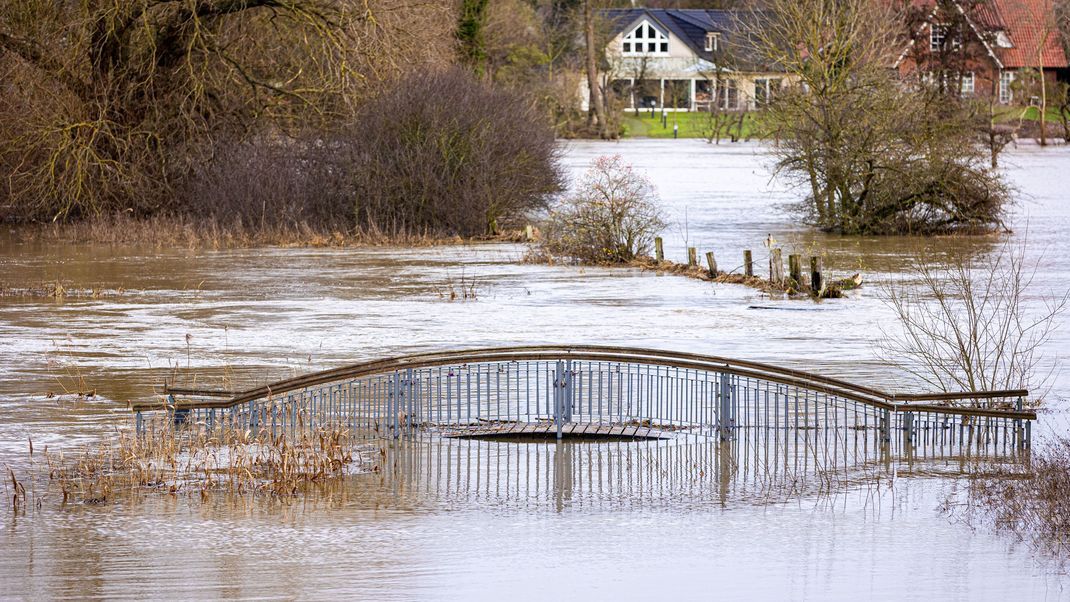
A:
{"points": [[650, 39], [1006, 80], [937, 35], [969, 84], [727, 95], [713, 40]]}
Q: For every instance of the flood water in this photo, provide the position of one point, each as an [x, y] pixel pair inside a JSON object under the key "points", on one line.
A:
{"points": [[483, 520]]}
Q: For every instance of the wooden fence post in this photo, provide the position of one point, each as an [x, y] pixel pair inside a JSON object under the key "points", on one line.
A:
{"points": [[795, 270], [692, 257], [817, 280], [659, 250], [748, 263], [710, 261], [776, 267]]}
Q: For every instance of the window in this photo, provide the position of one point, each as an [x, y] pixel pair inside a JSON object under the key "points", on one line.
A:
{"points": [[764, 90], [937, 35], [645, 40], [713, 40], [938, 38], [728, 95], [1006, 94], [967, 84]]}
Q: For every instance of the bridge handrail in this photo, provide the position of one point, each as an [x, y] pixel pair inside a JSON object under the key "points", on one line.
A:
{"points": [[786, 376]]}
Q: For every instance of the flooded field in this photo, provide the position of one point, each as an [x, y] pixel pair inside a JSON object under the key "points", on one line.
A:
{"points": [[472, 519]]}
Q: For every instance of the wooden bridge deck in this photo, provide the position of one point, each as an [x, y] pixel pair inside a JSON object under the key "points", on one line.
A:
{"points": [[493, 430]]}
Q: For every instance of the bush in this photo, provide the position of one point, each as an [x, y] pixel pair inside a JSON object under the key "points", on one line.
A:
{"points": [[267, 184], [445, 153], [612, 217], [436, 154]]}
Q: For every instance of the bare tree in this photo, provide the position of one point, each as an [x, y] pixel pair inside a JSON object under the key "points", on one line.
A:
{"points": [[596, 117], [109, 104], [973, 324], [875, 156]]}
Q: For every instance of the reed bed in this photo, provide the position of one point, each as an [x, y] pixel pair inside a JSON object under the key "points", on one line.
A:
{"points": [[185, 231], [175, 459]]}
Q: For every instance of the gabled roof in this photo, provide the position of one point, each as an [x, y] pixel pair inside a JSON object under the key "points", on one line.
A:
{"points": [[689, 25], [1028, 24]]}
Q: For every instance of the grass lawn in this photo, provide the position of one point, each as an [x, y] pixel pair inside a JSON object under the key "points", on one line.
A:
{"points": [[696, 124], [1005, 114], [692, 125]]}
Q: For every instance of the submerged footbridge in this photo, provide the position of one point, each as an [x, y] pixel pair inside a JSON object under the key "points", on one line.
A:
{"points": [[590, 391]]}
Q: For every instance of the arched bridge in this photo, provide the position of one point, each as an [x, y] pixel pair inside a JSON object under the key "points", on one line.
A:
{"points": [[595, 391]]}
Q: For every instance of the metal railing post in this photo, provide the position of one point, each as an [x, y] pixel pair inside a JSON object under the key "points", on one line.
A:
{"points": [[726, 421], [559, 396]]}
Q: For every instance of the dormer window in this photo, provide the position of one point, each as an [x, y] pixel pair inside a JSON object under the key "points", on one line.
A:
{"points": [[713, 41], [645, 40]]}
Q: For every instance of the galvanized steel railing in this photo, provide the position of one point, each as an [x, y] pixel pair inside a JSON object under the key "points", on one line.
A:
{"points": [[554, 387]]}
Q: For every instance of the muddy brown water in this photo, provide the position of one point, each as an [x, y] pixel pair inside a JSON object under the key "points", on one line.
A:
{"points": [[486, 520]]}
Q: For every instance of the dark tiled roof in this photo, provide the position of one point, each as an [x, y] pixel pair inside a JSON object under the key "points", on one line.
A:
{"points": [[691, 26]]}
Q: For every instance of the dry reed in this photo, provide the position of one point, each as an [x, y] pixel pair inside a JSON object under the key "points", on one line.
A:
{"points": [[175, 459], [184, 231]]}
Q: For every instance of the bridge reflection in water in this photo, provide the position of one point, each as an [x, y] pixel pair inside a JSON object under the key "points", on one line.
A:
{"points": [[678, 471]]}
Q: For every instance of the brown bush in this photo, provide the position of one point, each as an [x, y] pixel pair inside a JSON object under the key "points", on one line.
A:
{"points": [[441, 152], [438, 153]]}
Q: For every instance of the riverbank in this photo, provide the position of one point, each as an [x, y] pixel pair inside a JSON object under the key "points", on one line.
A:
{"points": [[188, 232]]}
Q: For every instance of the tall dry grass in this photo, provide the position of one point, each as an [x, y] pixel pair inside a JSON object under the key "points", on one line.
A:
{"points": [[190, 459]]}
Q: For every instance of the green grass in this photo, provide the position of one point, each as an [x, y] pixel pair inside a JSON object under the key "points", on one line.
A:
{"points": [[1006, 114], [692, 125]]}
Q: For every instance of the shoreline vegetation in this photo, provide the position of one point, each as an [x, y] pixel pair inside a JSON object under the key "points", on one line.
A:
{"points": [[191, 232]]}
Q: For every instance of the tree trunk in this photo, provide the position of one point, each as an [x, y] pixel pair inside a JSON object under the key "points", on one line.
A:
{"points": [[1043, 106], [595, 112]]}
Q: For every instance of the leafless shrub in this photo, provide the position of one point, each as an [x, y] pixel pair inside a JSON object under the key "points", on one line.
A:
{"points": [[612, 217], [265, 184], [444, 153], [973, 324], [1031, 500]]}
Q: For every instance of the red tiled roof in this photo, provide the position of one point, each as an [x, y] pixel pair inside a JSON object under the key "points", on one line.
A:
{"points": [[1030, 25]]}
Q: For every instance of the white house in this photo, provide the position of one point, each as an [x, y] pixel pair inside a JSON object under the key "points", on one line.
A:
{"points": [[681, 60]]}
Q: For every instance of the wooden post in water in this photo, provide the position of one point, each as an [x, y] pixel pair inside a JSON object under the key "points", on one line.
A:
{"points": [[710, 261], [659, 250], [529, 232], [692, 257], [748, 263], [817, 280], [776, 267], [795, 270]]}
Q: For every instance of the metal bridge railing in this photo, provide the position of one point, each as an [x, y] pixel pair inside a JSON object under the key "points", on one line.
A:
{"points": [[558, 386]]}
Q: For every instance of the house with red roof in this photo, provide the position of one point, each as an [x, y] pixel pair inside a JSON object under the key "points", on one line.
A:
{"points": [[988, 44]]}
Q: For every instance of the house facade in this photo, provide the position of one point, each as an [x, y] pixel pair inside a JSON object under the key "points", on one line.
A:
{"points": [[991, 47], [698, 60], [680, 60]]}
